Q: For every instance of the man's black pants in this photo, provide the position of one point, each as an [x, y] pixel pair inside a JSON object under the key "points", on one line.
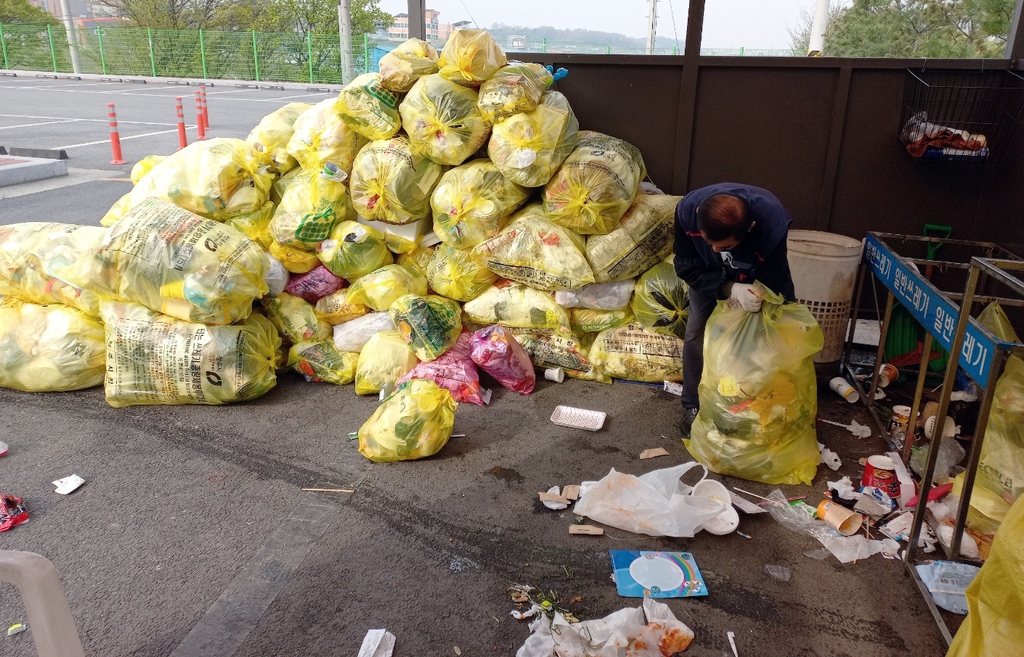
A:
{"points": [[702, 302]]}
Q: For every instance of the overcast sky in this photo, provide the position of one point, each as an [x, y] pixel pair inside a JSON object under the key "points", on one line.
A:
{"points": [[727, 23]]}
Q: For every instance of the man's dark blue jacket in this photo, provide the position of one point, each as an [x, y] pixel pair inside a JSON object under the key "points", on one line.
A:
{"points": [[760, 256]]}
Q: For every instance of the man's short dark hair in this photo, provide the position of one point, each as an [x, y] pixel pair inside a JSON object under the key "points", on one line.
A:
{"points": [[723, 217]]}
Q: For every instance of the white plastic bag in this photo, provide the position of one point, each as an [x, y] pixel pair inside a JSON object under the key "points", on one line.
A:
{"points": [[656, 504], [597, 296], [353, 335]]}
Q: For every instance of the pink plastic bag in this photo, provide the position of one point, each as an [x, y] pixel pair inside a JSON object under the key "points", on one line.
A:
{"points": [[455, 372], [496, 351], [315, 284]]}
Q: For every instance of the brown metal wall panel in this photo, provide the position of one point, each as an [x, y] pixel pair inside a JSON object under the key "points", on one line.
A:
{"points": [[765, 127]]}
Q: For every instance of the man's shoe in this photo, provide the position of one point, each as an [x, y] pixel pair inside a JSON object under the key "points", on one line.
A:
{"points": [[689, 415]]}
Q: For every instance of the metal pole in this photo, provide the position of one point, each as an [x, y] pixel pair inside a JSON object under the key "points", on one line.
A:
{"points": [[417, 19], [818, 25], [880, 354], [152, 57], [103, 57], [652, 26], [309, 54], [3, 46], [53, 53], [366, 51], [202, 52], [255, 56], [69, 27], [608, 50], [1015, 40], [544, 44], [345, 35], [926, 352]]}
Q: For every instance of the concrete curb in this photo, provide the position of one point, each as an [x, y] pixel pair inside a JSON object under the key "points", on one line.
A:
{"points": [[270, 85], [30, 169]]}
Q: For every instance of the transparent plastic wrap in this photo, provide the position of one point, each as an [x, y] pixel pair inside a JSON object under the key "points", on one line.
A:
{"points": [[598, 296], [443, 121], [514, 89], [337, 309], [321, 362], [595, 185], [217, 179], [310, 207], [642, 238], [273, 133], [155, 359], [536, 252], [496, 351], [634, 353], [458, 274], [514, 304], [182, 265], [320, 136], [758, 393], [369, 108], [470, 57], [411, 60], [414, 422], [379, 289], [354, 250], [455, 372], [661, 301], [296, 319], [50, 348], [314, 285], [473, 202], [383, 360], [430, 325], [392, 182], [255, 225], [529, 147], [144, 166], [353, 334]]}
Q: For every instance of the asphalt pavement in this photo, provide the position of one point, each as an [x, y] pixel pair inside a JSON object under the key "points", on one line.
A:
{"points": [[192, 535]]}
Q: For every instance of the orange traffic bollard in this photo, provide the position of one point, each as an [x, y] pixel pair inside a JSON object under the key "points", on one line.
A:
{"points": [[182, 138], [206, 109], [115, 139], [200, 131]]}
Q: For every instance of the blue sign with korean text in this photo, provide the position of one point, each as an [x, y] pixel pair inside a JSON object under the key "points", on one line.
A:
{"points": [[928, 306]]}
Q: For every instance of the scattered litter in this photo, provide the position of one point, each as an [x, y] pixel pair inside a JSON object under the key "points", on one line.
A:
{"points": [[68, 484], [841, 387], [744, 535], [935, 493], [880, 472], [529, 613], [642, 574], [778, 573], [578, 418], [674, 388], [857, 429], [968, 546], [353, 435], [652, 625], [819, 554], [899, 527], [829, 458], [586, 530], [844, 488], [745, 505], [3, 448], [571, 492], [837, 515], [556, 374], [732, 643], [17, 628], [874, 502], [553, 499], [844, 548], [328, 490], [907, 487], [728, 520], [377, 643], [12, 512], [652, 453], [460, 435], [519, 593], [457, 651], [947, 581]]}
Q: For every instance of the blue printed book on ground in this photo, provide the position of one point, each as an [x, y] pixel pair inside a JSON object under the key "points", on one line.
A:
{"points": [[640, 574]]}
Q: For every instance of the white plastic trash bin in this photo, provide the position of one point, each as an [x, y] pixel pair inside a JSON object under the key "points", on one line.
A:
{"points": [[824, 268]]}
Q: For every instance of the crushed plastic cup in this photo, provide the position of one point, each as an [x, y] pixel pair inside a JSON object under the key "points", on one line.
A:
{"points": [[778, 573], [556, 374]]}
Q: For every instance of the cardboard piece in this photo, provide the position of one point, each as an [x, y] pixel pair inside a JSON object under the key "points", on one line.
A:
{"points": [[657, 574], [586, 530], [377, 643], [553, 497], [571, 492], [653, 452]]}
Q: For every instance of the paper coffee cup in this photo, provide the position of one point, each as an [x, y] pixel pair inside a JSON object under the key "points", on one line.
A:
{"points": [[887, 374], [556, 374], [948, 430], [846, 521], [842, 388]]}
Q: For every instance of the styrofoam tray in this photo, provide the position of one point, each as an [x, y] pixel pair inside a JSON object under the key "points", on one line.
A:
{"points": [[578, 418]]}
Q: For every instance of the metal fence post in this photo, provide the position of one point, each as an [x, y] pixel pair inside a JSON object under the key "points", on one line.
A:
{"points": [[255, 56], [309, 54], [3, 46], [103, 57], [152, 57], [53, 53], [202, 52], [366, 51], [544, 45]]}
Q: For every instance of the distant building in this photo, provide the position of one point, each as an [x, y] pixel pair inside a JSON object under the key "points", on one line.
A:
{"points": [[437, 32], [516, 41]]}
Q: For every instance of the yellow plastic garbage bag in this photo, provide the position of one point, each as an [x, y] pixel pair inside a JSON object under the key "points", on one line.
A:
{"points": [[634, 353], [589, 320], [642, 239], [513, 89], [471, 56], [296, 260], [383, 360], [217, 179], [430, 325], [595, 185], [516, 305], [53, 263], [458, 273], [296, 319], [156, 359], [354, 250], [529, 147], [379, 289], [417, 258], [369, 108], [758, 394], [310, 207], [182, 265], [661, 301], [255, 225], [472, 203], [560, 347], [320, 136], [144, 166], [49, 348], [392, 182], [273, 133], [411, 60], [443, 121], [413, 423], [335, 308], [995, 599], [280, 185], [321, 362], [534, 251]]}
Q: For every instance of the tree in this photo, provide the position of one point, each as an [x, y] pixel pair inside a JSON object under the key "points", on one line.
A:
{"points": [[915, 28], [20, 11]]}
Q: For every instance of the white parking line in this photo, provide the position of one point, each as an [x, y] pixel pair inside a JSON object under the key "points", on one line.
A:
{"points": [[107, 141], [129, 92], [120, 121], [32, 125]]}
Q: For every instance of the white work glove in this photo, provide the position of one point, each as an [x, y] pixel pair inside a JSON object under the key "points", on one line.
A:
{"points": [[742, 296]]}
